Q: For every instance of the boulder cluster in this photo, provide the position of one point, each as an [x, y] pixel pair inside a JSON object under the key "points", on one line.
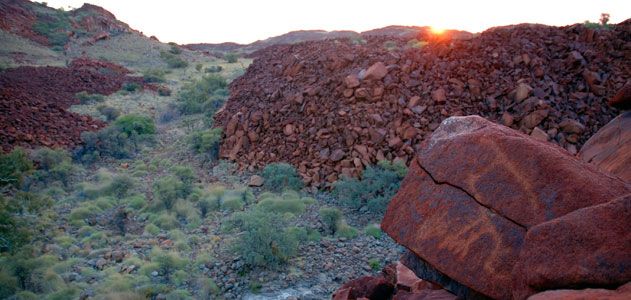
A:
{"points": [[34, 102], [333, 107], [487, 211]]}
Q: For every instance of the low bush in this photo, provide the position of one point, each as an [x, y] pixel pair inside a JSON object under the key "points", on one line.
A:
{"points": [[167, 191], [110, 113], [346, 231], [208, 203], [53, 165], [207, 94], [166, 221], [232, 204], [373, 230], [374, 264], [207, 142], [377, 186], [167, 262], [164, 91], [284, 204], [14, 167], [86, 98], [174, 49], [55, 27], [264, 239], [198, 67], [152, 229], [131, 87], [173, 60], [281, 176], [135, 124], [154, 76], [331, 217], [231, 57]]}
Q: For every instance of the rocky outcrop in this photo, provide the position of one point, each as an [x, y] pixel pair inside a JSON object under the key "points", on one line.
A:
{"points": [[610, 148], [622, 293], [506, 215], [367, 102], [34, 102]]}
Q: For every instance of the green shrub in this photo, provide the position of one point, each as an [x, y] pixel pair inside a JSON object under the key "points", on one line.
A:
{"points": [[86, 98], [131, 86], [198, 67], [54, 165], [175, 49], [208, 203], [168, 190], [167, 262], [232, 204], [152, 229], [187, 176], [173, 60], [331, 217], [136, 201], [231, 57], [120, 186], [374, 264], [373, 230], [154, 76], [14, 166], [264, 239], [346, 231], [207, 94], [207, 286], [8, 284], [207, 142], [110, 113], [164, 91], [378, 185], [135, 124], [166, 221], [282, 205], [83, 212], [281, 176]]}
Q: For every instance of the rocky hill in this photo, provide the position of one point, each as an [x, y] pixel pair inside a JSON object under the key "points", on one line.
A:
{"points": [[332, 108]]}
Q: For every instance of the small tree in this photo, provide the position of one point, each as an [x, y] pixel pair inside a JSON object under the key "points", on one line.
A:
{"points": [[604, 19]]}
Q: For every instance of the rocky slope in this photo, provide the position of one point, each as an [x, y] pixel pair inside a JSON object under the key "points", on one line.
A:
{"points": [[333, 107], [34, 102]]}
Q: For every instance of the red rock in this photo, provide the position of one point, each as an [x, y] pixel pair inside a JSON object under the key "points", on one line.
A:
{"points": [[470, 225], [571, 126], [622, 99], [610, 148], [439, 96], [539, 134], [351, 81], [622, 293], [425, 295], [337, 155], [289, 129], [414, 101], [587, 247], [376, 72], [535, 118], [521, 92], [367, 286]]}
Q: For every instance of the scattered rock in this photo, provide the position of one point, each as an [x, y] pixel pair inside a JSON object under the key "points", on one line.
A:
{"points": [[610, 148], [256, 181], [376, 72]]}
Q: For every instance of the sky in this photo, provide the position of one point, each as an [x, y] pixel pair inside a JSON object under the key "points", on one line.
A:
{"points": [[245, 21]]}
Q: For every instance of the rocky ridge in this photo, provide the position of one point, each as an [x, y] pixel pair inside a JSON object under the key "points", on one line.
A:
{"points": [[333, 107]]}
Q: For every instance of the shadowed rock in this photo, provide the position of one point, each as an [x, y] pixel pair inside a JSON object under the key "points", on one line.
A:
{"points": [[610, 148]]}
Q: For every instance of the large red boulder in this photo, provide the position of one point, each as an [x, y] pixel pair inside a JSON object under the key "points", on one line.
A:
{"points": [[474, 191], [370, 287], [610, 148], [588, 247]]}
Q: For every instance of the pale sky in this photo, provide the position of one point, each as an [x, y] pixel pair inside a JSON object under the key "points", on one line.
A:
{"points": [[245, 21]]}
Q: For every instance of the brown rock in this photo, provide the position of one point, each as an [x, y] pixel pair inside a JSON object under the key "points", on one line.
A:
{"points": [[376, 72], [439, 96], [507, 119], [351, 81], [368, 287], [289, 130], [610, 148], [571, 126], [622, 99], [414, 101], [255, 180], [362, 93], [337, 155], [622, 293], [539, 134], [521, 92], [425, 295], [535, 118], [588, 247], [470, 225]]}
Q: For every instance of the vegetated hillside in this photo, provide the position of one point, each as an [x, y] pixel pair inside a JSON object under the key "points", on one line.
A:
{"points": [[334, 107]]}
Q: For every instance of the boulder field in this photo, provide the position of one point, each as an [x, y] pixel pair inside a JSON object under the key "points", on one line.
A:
{"points": [[333, 107], [34, 102], [489, 212]]}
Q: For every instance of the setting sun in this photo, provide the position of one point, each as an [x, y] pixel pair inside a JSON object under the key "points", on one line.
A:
{"points": [[437, 30]]}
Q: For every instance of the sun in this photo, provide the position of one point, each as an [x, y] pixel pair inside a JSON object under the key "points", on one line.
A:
{"points": [[437, 30]]}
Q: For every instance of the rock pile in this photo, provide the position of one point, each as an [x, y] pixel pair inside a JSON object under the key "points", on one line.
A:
{"points": [[333, 107], [34, 102], [501, 214]]}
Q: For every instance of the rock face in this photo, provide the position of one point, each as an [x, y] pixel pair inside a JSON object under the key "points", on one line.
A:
{"points": [[479, 194], [610, 148], [372, 103], [622, 293]]}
